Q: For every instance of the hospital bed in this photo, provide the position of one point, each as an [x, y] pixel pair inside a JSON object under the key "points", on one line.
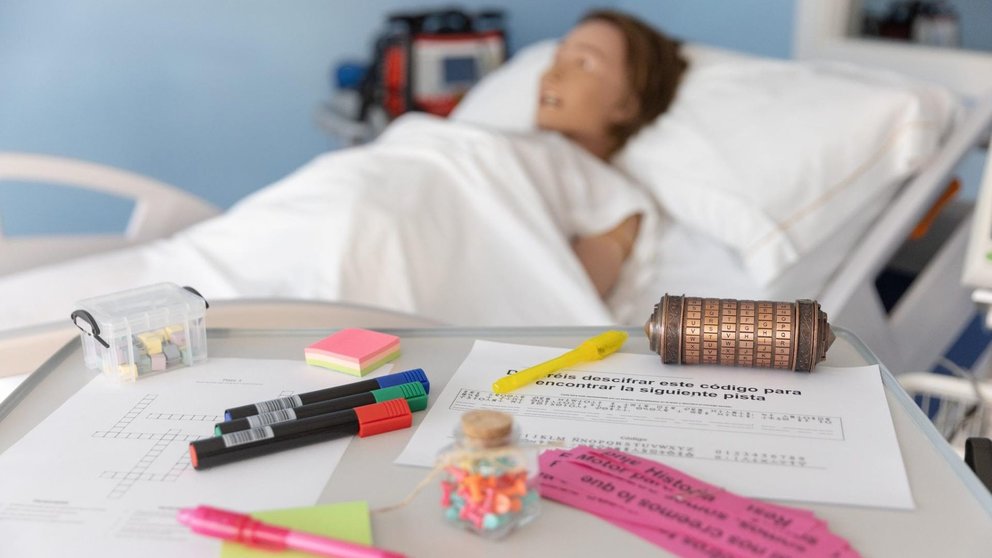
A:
{"points": [[158, 209], [767, 249], [839, 269]]}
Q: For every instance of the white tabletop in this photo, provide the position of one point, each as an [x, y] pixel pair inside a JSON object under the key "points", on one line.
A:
{"points": [[953, 515]]}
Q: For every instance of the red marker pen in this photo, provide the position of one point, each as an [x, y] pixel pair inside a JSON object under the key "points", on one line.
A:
{"points": [[236, 527], [366, 420]]}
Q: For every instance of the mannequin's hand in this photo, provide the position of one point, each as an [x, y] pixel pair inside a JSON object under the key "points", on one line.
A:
{"points": [[603, 255]]}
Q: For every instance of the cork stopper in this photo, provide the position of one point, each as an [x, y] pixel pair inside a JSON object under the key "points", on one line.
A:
{"points": [[486, 426]]}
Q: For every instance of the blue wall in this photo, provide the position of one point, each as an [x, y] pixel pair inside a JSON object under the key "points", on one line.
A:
{"points": [[214, 97], [762, 27], [218, 97]]}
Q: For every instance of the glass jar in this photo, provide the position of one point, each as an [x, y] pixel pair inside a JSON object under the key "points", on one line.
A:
{"points": [[489, 483]]}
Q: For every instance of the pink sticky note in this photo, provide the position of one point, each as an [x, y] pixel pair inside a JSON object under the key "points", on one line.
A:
{"points": [[356, 351]]}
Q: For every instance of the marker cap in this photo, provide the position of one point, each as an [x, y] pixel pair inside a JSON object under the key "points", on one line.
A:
{"points": [[413, 392], [387, 416], [414, 375]]}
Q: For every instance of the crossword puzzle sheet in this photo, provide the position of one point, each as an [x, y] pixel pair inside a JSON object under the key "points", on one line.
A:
{"points": [[106, 472]]}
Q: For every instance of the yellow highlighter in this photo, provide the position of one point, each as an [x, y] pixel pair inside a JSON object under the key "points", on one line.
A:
{"points": [[595, 348]]}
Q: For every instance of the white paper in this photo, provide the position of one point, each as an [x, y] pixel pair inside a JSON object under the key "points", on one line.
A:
{"points": [[821, 437], [105, 474]]}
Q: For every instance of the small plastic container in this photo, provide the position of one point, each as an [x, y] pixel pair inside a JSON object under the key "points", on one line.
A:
{"points": [[135, 333], [489, 483]]}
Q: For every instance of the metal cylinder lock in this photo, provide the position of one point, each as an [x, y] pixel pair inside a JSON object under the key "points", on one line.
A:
{"points": [[749, 333]]}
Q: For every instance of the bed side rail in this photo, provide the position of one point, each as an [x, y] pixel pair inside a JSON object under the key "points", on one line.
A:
{"points": [[937, 296]]}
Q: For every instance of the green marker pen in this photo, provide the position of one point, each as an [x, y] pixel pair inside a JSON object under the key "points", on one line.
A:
{"points": [[413, 392]]}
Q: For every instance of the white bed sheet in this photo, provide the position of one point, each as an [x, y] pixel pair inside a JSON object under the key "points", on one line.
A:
{"points": [[771, 157], [683, 260], [669, 257], [442, 219], [446, 220]]}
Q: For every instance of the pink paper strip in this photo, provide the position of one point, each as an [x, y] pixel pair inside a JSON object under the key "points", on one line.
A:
{"points": [[654, 473], [603, 494], [675, 542], [648, 495]]}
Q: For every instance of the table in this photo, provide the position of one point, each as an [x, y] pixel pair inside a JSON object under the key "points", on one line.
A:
{"points": [[953, 516]]}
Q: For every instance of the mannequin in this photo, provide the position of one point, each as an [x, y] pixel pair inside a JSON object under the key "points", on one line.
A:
{"points": [[612, 74]]}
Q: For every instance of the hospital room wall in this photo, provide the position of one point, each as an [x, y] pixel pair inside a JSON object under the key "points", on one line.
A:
{"points": [[213, 97], [762, 27], [218, 97]]}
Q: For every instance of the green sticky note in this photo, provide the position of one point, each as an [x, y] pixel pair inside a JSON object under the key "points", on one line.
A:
{"points": [[348, 521]]}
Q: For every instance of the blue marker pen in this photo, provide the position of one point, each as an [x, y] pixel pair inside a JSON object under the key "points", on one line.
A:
{"points": [[293, 401]]}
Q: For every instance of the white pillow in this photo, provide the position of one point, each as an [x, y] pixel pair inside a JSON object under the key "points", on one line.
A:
{"points": [[506, 98], [770, 157]]}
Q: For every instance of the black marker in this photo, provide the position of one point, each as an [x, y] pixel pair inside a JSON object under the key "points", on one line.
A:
{"points": [[293, 401], [364, 421], [413, 392]]}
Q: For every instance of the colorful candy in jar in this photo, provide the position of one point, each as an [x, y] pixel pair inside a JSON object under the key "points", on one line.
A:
{"points": [[489, 484]]}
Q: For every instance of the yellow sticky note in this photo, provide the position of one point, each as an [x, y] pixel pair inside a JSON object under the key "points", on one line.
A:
{"points": [[348, 521]]}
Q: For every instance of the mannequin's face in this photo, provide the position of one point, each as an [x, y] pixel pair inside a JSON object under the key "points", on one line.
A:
{"points": [[586, 90]]}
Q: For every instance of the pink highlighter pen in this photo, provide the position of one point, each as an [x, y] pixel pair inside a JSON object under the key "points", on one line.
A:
{"points": [[223, 524]]}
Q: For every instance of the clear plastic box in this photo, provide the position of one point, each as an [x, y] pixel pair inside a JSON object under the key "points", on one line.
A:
{"points": [[135, 333]]}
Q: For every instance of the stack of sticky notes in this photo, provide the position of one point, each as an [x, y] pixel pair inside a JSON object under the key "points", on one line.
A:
{"points": [[353, 351]]}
